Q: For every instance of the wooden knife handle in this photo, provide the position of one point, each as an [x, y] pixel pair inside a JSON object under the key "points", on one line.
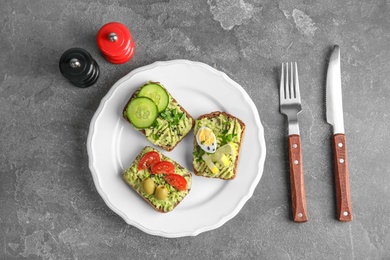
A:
{"points": [[343, 192], [298, 194]]}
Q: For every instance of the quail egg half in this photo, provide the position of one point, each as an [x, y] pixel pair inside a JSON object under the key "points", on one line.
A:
{"points": [[206, 139]]}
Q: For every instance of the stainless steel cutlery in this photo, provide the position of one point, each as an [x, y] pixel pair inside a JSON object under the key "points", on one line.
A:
{"points": [[290, 105], [334, 116]]}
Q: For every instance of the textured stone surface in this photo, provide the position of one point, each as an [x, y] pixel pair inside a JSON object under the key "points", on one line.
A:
{"points": [[50, 208]]}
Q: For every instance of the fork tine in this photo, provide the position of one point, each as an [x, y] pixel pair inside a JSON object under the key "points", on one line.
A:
{"points": [[282, 90], [292, 87], [287, 85], [289, 82], [296, 85]]}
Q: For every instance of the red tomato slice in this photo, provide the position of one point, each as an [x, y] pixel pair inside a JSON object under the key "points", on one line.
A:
{"points": [[148, 160], [163, 167], [177, 181]]}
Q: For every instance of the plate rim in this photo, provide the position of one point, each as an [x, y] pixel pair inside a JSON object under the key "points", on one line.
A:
{"points": [[242, 201]]}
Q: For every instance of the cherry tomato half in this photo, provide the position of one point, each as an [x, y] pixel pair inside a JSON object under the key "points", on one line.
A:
{"points": [[163, 167], [177, 181], [148, 160]]}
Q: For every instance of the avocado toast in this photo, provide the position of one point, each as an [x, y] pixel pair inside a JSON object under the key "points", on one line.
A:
{"points": [[159, 180], [153, 111], [217, 142]]}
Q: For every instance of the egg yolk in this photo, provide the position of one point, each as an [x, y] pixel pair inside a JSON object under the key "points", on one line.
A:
{"points": [[206, 136]]}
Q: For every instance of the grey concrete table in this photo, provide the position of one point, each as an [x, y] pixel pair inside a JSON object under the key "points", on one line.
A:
{"points": [[50, 208]]}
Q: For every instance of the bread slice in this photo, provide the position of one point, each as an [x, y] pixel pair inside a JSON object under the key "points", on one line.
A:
{"points": [[227, 129], [133, 177], [166, 133]]}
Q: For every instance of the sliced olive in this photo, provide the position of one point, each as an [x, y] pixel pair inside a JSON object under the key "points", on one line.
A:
{"points": [[149, 186], [161, 192]]}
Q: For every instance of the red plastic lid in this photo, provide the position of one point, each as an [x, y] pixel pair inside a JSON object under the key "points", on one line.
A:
{"points": [[115, 42]]}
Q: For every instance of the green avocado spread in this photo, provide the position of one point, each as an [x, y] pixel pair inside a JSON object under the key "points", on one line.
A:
{"points": [[134, 178], [171, 126], [226, 130]]}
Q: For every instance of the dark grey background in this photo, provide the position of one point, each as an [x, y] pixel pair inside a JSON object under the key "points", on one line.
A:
{"points": [[50, 208]]}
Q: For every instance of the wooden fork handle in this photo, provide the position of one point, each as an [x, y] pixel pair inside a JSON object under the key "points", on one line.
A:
{"points": [[298, 194], [343, 192]]}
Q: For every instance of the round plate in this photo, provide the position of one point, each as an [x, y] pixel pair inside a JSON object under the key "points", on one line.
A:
{"points": [[113, 144]]}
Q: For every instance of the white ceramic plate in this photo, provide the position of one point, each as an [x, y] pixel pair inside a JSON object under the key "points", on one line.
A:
{"points": [[113, 144]]}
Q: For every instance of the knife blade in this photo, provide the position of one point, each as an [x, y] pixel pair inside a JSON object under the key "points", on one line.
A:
{"points": [[334, 116]]}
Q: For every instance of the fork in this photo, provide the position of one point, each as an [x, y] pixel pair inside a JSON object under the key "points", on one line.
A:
{"points": [[290, 105]]}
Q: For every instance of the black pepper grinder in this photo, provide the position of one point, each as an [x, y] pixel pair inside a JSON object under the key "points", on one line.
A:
{"points": [[78, 66]]}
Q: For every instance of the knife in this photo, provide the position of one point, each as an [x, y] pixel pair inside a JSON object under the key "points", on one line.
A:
{"points": [[334, 116]]}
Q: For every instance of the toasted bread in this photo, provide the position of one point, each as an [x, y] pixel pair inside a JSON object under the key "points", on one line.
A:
{"points": [[227, 129], [134, 177], [165, 132]]}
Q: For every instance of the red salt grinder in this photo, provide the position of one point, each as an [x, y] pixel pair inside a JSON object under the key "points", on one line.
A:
{"points": [[115, 43]]}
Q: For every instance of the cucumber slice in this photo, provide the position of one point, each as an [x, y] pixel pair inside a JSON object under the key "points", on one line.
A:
{"points": [[157, 93], [142, 112]]}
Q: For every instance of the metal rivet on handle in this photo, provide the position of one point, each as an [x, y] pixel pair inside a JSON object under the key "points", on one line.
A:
{"points": [[295, 145], [300, 215], [296, 162], [345, 213], [341, 160], [340, 144]]}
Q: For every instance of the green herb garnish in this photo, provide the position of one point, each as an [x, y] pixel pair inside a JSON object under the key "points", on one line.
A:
{"points": [[198, 153], [172, 116], [225, 137]]}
